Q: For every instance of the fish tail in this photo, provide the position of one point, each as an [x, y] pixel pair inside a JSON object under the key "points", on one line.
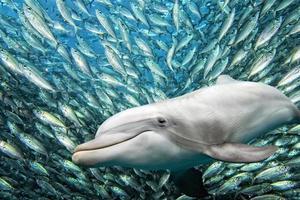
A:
{"points": [[253, 51], [57, 45], [76, 29], [118, 43], [47, 158], [98, 59], [91, 3]]}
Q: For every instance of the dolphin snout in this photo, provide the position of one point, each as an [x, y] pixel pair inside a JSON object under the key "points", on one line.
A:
{"points": [[103, 141], [89, 158], [90, 145], [76, 158], [100, 142], [91, 152]]}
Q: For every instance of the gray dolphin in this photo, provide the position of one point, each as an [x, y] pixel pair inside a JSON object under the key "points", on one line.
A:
{"points": [[185, 131]]}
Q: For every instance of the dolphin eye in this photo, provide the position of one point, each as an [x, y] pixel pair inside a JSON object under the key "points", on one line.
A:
{"points": [[161, 121]]}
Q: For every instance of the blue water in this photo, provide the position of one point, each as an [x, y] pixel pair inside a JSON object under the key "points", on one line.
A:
{"points": [[20, 96]]}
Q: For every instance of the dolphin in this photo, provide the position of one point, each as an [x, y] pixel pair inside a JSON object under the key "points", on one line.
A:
{"points": [[215, 122]]}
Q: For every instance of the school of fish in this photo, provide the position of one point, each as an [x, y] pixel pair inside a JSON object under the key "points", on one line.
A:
{"points": [[66, 66]]}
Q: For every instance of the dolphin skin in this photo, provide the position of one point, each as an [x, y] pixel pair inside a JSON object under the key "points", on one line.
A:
{"points": [[186, 131]]}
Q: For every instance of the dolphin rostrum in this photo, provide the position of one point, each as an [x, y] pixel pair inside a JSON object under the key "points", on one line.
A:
{"points": [[179, 133]]}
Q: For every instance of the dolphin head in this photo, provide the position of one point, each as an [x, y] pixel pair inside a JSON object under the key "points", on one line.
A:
{"points": [[136, 137]]}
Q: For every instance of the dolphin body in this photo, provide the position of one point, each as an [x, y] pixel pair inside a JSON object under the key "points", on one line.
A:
{"points": [[186, 131]]}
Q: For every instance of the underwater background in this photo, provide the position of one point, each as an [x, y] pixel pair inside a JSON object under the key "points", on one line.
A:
{"points": [[66, 66]]}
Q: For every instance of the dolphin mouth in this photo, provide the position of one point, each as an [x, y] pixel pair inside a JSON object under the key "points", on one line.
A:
{"points": [[103, 149], [106, 140]]}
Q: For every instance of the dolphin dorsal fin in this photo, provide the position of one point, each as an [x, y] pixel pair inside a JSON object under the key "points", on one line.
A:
{"points": [[225, 79]]}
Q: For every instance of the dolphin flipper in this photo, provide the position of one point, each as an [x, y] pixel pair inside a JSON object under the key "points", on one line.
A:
{"points": [[225, 79], [235, 152]]}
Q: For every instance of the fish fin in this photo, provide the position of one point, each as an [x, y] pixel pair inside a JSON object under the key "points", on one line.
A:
{"points": [[190, 182], [253, 51], [225, 79], [236, 152]]}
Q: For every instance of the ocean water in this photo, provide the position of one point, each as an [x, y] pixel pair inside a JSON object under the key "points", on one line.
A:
{"points": [[67, 66]]}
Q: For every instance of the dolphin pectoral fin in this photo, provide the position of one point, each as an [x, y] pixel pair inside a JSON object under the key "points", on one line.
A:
{"points": [[225, 79], [235, 152], [189, 182]]}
